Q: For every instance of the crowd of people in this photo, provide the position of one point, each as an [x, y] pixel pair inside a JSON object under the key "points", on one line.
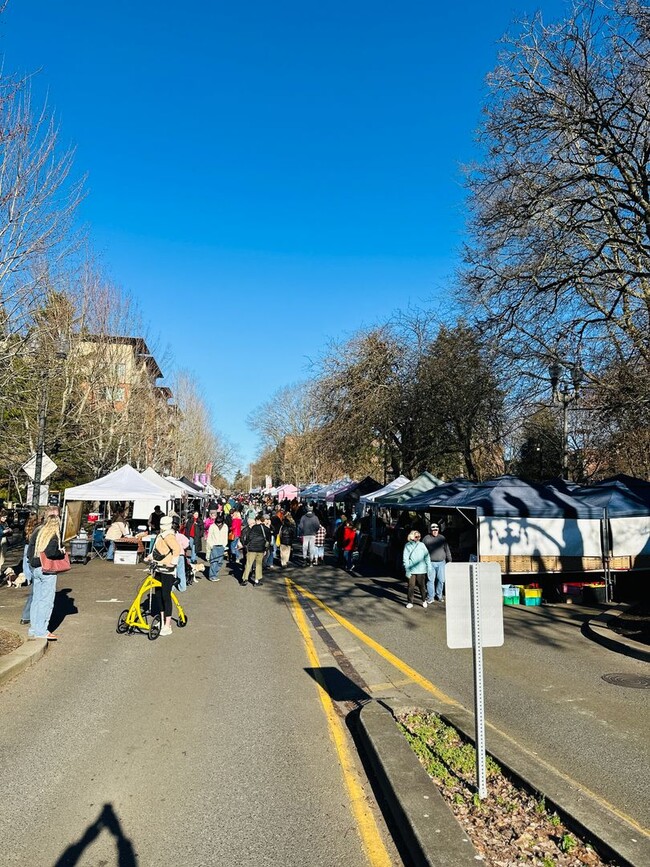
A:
{"points": [[251, 535]]}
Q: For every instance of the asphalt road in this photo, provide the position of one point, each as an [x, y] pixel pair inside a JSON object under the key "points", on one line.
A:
{"points": [[208, 747], [211, 746], [544, 687]]}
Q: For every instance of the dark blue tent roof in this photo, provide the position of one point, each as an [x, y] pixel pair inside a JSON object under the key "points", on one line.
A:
{"points": [[622, 496], [509, 496], [436, 496]]}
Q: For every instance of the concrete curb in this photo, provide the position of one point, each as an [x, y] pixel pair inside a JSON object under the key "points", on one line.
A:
{"points": [[598, 629], [429, 829], [18, 660]]}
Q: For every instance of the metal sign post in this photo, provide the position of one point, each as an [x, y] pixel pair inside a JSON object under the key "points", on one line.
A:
{"points": [[479, 702], [475, 619]]}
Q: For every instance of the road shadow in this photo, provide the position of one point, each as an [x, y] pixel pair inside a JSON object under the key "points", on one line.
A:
{"points": [[337, 685], [63, 607], [107, 820]]}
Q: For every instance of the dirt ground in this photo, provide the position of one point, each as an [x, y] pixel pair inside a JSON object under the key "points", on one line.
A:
{"points": [[634, 623], [9, 641]]}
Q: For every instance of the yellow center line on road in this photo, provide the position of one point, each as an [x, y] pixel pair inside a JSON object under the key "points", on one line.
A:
{"points": [[373, 844], [416, 677], [411, 673]]}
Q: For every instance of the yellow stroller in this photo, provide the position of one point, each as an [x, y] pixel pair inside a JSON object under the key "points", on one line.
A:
{"points": [[140, 617]]}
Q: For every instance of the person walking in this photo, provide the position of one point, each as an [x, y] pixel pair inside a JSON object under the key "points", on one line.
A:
{"points": [[194, 531], [319, 543], [217, 544], [30, 525], [439, 556], [46, 540], [348, 542], [287, 535], [183, 544], [165, 554], [416, 565], [307, 528], [259, 537], [235, 534]]}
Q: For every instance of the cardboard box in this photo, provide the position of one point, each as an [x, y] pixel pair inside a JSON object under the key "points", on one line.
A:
{"points": [[126, 558]]}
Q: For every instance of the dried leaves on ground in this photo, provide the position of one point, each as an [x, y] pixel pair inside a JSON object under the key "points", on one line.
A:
{"points": [[9, 641], [510, 827]]}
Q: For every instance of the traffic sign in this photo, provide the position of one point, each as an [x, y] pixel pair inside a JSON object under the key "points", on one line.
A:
{"points": [[46, 470], [458, 597]]}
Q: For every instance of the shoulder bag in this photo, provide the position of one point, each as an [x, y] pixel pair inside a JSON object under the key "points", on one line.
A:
{"points": [[49, 566]]}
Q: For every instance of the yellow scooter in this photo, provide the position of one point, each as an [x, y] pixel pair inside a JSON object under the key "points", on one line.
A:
{"points": [[140, 617]]}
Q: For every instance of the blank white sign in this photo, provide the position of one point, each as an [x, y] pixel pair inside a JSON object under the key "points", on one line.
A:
{"points": [[459, 605]]}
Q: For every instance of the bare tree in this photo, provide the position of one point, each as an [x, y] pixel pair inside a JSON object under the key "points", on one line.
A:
{"points": [[559, 265], [198, 441]]}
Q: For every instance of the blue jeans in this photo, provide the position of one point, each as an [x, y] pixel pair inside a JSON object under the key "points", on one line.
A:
{"points": [[110, 554], [29, 575], [42, 603], [180, 574], [435, 580], [216, 561], [270, 557], [192, 550], [234, 550]]}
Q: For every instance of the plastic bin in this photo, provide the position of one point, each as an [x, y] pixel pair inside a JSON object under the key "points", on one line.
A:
{"points": [[79, 550], [594, 594]]}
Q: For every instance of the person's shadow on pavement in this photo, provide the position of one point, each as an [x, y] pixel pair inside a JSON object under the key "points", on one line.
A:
{"points": [[63, 606]]}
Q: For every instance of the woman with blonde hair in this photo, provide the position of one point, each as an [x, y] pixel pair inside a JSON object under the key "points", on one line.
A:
{"points": [[45, 539], [416, 566]]}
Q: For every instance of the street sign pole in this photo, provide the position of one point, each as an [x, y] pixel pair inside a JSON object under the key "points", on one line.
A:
{"points": [[474, 618], [479, 695]]}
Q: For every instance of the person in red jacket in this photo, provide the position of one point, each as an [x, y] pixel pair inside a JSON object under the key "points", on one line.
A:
{"points": [[348, 541]]}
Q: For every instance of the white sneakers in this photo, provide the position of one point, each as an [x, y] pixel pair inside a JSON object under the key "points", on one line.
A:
{"points": [[166, 630], [409, 605], [424, 604]]}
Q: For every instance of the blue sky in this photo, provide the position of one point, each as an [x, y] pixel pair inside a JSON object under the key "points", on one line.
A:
{"points": [[264, 177]]}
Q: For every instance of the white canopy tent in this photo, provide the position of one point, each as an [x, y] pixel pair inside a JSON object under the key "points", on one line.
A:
{"points": [[174, 490], [183, 487], [125, 484]]}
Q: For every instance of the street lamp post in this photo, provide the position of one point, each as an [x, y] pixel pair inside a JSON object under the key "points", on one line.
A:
{"points": [[40, 442], [61, 352], [565, 391]]}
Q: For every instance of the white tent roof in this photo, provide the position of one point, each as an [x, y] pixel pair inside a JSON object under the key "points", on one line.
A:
{"points": [[183, 486], [155, 478], [391, 486], [123, 484]]}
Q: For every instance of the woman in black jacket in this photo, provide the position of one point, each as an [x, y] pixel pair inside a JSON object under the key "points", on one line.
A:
{"points": [[287, 535]]}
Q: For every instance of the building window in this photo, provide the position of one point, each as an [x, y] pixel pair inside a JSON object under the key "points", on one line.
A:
{"points": [[115, 394], [120, 371]]}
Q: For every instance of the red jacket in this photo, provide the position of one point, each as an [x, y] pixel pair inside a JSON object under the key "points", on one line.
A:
{"points": [[349, 538]]}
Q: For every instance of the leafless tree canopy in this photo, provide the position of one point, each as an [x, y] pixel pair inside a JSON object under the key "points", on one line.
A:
{"points": [[561, 202]]}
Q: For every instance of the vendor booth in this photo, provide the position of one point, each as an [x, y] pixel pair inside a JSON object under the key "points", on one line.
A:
{"points": [[286, 492], [122, 485], [424, 482]]}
